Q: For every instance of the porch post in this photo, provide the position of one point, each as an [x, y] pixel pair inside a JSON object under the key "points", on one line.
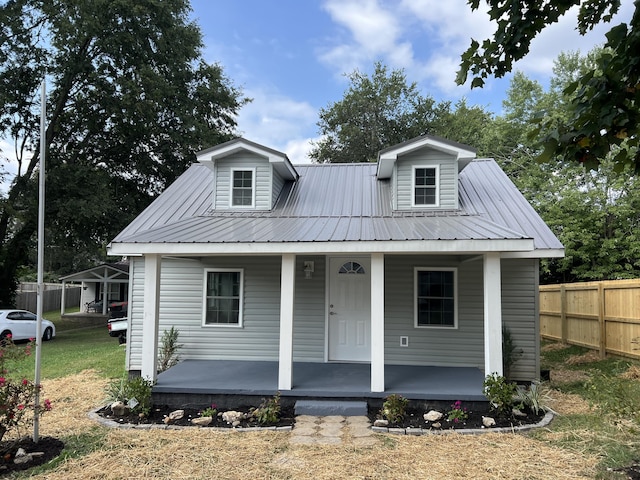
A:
{"points": [[151, 310], [377, 322], [287, 291], [492, 314], [63, 297]]}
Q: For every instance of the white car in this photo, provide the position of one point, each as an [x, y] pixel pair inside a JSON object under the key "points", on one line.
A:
{"points": [[21, 325]]}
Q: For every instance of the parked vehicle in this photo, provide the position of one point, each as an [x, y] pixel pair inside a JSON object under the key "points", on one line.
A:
{"points": [[118, 328], [21, 325]]}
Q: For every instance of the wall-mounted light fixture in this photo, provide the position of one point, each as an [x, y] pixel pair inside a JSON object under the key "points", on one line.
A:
{"points": [[308, 269]]}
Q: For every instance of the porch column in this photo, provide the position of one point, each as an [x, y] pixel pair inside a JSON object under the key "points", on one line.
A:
{"points": [[377, 322], [63, 298], [492, 314], [151, 311], [287, 292]]}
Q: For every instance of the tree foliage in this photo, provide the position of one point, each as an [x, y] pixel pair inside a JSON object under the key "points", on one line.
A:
{"points": [[593, 212], [130, 100], [603, 108], [383, 110]]}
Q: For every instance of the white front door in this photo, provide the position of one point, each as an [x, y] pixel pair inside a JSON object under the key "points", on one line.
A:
{"points": [[349, 309]]}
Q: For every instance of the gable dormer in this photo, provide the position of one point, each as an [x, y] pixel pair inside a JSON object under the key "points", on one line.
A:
{"points": [[423, 172], [246, 176]]}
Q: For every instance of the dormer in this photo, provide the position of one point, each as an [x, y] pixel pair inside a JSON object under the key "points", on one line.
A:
{"points": [[246, 176], [423, 172]]}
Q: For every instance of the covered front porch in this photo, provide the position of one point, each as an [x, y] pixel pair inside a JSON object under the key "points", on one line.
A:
{"points": [[211, 381]]}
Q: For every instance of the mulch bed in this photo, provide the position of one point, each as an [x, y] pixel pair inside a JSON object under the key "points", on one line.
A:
{"points": [[45, 450], [414, 418], [158, 414]]}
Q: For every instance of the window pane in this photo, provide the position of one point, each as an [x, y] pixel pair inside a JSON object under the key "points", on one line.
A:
{"points": [[223, 298], [425, 186], [242, 191], [436, 298]]}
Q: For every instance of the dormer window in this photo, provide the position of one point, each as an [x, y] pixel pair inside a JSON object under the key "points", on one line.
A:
{"points": [[425, 186], [242, 188]]}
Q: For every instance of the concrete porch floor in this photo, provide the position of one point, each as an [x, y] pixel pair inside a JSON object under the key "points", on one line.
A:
{"points": [[319, 380]]}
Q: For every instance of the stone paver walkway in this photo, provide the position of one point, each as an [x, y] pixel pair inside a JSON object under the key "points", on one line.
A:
{"points": [[332, 430]]}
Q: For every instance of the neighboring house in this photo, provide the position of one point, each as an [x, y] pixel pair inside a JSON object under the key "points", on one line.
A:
{"points": [[109, 281], [419, 259]]}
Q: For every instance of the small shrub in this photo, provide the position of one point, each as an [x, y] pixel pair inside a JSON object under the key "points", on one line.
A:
{"points": [[134, 392], [209, 411], [458, 413], [502, 394], [17, 397], [394, 408], [168, 354], [510, 353], [269, 411], [536, 397]]}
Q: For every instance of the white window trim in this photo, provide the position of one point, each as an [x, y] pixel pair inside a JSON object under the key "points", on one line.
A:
{"points": [[455, 296], [240, 323], [253, 187], [413, 186]]}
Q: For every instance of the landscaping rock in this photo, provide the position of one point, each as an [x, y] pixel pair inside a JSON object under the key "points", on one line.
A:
{"points": [[488, 422], [119, 409], [232, 416], [381, 423], [202, 421], [432, 416]]}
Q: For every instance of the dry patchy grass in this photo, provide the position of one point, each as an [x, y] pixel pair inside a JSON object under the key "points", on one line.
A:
{"points": [[205, 453]]}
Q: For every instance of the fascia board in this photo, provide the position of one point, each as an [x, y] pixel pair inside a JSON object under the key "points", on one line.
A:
{"points": [[466, 247]]}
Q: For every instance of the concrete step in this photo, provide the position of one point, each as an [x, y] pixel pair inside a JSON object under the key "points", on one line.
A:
{"points": [[324, 408]]}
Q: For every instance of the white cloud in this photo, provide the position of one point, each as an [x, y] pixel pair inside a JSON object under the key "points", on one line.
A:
{"points": [[373, 32], [427, 37], [8, 165], [564, 37], [278, 122]]}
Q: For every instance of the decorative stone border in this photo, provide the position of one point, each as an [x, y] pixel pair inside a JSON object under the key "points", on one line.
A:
{"points": [[93, 415], [465, 431]]}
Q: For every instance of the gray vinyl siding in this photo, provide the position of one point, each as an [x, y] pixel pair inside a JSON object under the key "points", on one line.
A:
{"points": [[263, 193], [309, 312], [278, 183], [461, 347], [448, 177], [520, 314], [181, 304]]}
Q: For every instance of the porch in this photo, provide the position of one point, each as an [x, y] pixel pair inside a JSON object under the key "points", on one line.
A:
{"points": [[214, 381]]}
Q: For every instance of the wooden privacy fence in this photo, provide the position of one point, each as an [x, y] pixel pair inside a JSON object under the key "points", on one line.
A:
{"points": [[600, 315], [27, 297]]}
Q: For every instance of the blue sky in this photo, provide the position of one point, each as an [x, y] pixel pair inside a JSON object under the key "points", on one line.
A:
{"points": [[290, 56]]}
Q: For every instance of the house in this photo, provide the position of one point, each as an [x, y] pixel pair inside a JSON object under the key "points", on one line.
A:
{"points": [[109, 281], [413, 262]]}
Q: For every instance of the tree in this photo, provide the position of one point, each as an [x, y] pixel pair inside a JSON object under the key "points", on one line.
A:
{"points": [[375, 112], [593, 213], [383, 110], [130, 100], [603, 111]]}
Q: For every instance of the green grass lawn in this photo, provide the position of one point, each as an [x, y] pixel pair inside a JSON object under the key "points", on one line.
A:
{"points": [[74, 349], [612, 429]]}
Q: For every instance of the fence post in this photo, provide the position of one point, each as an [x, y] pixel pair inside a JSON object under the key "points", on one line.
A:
{"points": [[563, 313], [601, 321]]}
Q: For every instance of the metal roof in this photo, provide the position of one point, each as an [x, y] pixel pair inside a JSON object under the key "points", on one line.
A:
{"points": [[340, 203]]}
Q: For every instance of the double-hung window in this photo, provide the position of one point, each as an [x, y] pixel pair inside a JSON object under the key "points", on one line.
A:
{"points": [[242, 188], [223, 297], [425, 186], [436, 295]]}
